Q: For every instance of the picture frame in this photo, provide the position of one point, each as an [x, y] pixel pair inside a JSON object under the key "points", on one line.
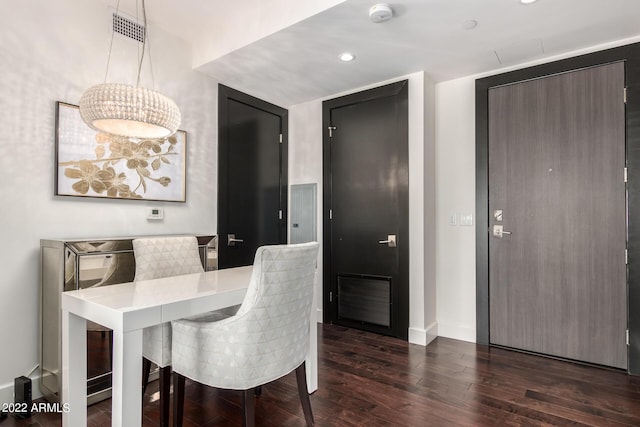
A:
{"points": [[89, 163]]}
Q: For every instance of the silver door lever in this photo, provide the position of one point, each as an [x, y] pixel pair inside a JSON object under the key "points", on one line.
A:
{"points": [[498, 231], [231, 240], [391, 241]]}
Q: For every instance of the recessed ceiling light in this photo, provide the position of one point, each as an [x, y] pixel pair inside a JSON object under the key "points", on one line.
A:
{"points": [[346, 57], [470, 24], [528, 1]]}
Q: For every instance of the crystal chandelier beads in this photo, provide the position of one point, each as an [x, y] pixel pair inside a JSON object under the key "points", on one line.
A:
{"points": [[129, 111]]}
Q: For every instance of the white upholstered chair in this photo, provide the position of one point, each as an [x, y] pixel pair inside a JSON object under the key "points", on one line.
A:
{"points": [[266, 339], [158, 257]]}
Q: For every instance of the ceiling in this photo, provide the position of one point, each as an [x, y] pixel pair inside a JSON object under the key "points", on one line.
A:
{"points": [[300, 63]]}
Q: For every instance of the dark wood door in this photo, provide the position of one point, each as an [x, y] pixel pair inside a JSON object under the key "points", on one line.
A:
{"points": [[556, 183], [252, 176], [366, 205]]}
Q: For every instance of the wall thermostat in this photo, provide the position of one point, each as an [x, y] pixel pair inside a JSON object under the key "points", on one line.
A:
{"points": [[155, 213]]}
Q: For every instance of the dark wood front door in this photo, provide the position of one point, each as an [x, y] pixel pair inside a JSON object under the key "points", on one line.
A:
{"points": [[557, 280], [252, 176], [366, 247]]}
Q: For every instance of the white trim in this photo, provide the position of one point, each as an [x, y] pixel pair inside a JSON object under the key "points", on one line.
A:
{"points": [[319, 316], [423, 336], [458, 332], [6, 393]]}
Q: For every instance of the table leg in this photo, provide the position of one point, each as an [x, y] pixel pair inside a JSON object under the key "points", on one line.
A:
{"points": [[127, 379], [74, 370], [312, 357]]}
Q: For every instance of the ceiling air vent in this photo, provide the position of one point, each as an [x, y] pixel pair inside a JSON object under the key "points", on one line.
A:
{"points": [[128, 28]]}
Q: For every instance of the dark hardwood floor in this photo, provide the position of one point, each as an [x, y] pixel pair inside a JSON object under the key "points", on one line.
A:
{"points": [[372, 380]]}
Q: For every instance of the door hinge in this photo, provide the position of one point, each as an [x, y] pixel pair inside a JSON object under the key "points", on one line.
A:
{"points": [[330, 213], [626, 256], [280, 214], [280, 138], [625, 175], [628, 337], [331, 298], [331, 129], [625, 95]]}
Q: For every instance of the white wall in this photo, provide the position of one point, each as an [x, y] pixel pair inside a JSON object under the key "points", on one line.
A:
{"points": [[305, 166], [53, 51], [455, 194], [430, 213]]}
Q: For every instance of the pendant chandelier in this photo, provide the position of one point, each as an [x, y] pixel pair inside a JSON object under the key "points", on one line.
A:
{"points": [[128, 110]]}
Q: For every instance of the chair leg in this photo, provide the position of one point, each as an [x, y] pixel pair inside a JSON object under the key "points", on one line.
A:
{"points": [[146, 370], [110, 350], [248, 408], [165, 392], [301, 378], [178, 399]]}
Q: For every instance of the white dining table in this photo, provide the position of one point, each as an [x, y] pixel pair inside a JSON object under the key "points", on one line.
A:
{"points": [[127, 309]]}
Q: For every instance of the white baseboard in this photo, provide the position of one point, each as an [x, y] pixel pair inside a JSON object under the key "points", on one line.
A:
{"points": [[423, 336], [6, 391], [458, 332]]}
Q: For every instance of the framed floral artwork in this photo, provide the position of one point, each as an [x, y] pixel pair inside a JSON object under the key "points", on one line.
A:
{"points": [[96, 164]]}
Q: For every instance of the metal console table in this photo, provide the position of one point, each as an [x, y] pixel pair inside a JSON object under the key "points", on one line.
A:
{"points": [[78, 264]]}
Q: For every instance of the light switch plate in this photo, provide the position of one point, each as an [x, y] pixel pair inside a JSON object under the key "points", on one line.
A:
{"points": [[453, 219], [466, 219]]}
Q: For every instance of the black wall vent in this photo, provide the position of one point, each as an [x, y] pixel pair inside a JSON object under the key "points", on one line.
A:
{"points": [[128, 28]]}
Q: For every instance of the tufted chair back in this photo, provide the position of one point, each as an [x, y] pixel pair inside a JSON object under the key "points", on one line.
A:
{"points": [[267, 338], [158, 257]]}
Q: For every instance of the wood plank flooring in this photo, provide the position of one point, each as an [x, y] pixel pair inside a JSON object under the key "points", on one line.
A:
{"points": [[372, 380]]}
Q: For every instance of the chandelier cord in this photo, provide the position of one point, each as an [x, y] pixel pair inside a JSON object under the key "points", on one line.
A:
{"points": [[146, 28], [128, 110], [144, 42], [106, 72]]}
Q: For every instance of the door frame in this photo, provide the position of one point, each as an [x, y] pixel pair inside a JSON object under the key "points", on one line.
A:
{"points": [[226, 93], [400, 316], [631, 55]]}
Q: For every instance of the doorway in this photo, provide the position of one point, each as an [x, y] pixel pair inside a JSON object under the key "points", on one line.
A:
{"points": [[366, 245], [252, 176], [557, 204]]}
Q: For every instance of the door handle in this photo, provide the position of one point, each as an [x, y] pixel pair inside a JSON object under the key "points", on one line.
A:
{"points": [[231, 240], [391, 241], [498, 231]]}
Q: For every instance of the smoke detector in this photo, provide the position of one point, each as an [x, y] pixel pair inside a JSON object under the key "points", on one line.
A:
{"points": [[380, 13]]}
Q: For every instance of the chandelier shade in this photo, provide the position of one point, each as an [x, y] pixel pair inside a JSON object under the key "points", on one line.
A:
{"points": [[127, 110]]}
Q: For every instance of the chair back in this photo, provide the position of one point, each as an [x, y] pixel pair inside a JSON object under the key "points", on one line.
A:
{"points": [[158, 257], [268, 337]]}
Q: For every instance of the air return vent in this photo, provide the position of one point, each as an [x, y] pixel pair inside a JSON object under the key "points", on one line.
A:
{"points": [[128, 28]]}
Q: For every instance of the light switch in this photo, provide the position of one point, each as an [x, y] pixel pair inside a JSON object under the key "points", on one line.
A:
{"points": [[453, 219], [466, 219]]}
